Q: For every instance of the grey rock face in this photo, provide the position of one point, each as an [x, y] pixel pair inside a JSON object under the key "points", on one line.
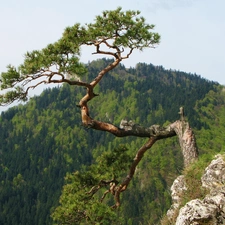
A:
{"points": [[198, 212], [210, 210], [177, 190], [214, 175]]}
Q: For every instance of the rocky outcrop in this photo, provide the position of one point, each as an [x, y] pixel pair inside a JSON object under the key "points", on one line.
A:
{"points": [[206, 211], [210, 209], [177, 190], [214, 175]]}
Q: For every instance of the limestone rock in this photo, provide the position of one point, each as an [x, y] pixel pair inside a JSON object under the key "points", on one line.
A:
{"points": [[177, 190], [199, 211], [214, 175], [210, 210]]}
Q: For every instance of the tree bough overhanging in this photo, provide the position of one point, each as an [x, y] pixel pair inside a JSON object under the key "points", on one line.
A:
{"points": [[113, 34]]}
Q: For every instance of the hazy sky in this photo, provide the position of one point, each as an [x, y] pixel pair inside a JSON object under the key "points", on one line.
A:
{"points": [[192, 31]]}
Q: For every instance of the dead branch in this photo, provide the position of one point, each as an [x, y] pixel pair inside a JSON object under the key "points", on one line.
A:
{"points": [[180, 128]]}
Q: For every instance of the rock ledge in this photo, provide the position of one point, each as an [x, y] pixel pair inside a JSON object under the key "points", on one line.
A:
{"points": [[210, 210]]}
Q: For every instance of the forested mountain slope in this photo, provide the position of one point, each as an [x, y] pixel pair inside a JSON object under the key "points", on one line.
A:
{"points": [[43, 140], [198, 193]]}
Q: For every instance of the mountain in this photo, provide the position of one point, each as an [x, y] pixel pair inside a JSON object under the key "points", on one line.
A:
{"points": [[42, 141]]}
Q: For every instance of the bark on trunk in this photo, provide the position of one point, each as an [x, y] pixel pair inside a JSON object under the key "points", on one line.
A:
{"points": [[180, 128], [187, 142]]}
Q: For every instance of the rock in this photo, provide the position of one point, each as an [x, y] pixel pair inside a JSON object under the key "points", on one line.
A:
{"points": [[177, 190], [194, 212], [210, 210], [214, 175]]}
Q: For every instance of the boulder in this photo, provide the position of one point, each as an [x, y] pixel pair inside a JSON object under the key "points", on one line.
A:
{"points": [[210, 209]]}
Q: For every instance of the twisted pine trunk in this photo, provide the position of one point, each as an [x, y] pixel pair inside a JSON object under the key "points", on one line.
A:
{"points": [[179, 128]]}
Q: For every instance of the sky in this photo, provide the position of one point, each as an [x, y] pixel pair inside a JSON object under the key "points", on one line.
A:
{"points": [[192, 31]]}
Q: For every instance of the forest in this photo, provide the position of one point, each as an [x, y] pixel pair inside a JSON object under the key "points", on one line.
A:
{"points": [[43, 143]]}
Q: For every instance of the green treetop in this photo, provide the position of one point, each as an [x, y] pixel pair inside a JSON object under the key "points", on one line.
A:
{"points": [[114, 33]]}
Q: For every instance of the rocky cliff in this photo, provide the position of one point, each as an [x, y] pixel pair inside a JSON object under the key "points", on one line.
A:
{"points": [[209, 209]]}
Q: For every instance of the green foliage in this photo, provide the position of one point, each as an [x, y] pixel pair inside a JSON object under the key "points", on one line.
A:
{"points": [[32, 146], [44, 140], [211, 113], [18, 181], [116, 30], [193, 176], [79, 203], [125, 28], [9, 78]]}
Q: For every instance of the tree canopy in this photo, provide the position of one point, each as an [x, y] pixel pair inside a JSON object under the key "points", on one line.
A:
{"points": [[113, 34]]}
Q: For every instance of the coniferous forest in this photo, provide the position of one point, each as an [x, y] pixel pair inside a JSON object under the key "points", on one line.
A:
{"points": [[43, 141]]}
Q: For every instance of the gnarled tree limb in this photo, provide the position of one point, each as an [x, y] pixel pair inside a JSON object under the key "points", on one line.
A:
{"points": [[181, 128]]}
